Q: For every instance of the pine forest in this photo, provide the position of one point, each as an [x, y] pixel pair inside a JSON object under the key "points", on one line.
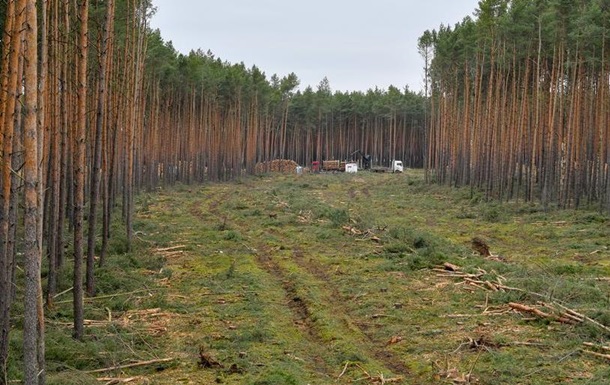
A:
{"points": [[96, 108]]}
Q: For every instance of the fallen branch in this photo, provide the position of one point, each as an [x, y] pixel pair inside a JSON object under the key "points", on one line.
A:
{"points": [[344, 369], [592, 345], [539, 313], [171, 248], [112, 380], [584, 317], [63, 292], [484, 314], [596, 354], [492, 286], [525, 343], [88, 299], [132, 365], [475, 283], [567, 313], [173, 253]]}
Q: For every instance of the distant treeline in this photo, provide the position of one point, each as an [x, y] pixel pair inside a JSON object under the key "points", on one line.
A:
{"points": [[216, 120]]}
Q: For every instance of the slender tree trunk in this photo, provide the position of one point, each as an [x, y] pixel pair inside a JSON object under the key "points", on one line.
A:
{"points": [[32, 248], [53, 201], [41, 100], [65, 174], [97, 151], [79, 171], [9, 96]]}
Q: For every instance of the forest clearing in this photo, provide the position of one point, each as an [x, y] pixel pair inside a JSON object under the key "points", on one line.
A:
{"points": [[145, 239], [344, 278]]}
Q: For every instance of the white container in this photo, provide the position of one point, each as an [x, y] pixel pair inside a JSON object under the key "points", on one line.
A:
{"points": [[352, 168]]}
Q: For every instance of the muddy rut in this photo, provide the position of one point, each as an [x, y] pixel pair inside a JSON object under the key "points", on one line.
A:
{"points": [[268, 259]]}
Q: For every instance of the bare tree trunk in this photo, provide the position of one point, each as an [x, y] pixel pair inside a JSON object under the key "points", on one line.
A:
{"points": [[41, 99], [32, 248], [79, 171], [53, 201], [9, 95], [97, 151]]}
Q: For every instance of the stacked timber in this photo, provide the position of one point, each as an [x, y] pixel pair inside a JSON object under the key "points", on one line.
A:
{"points": [[277, 165]]}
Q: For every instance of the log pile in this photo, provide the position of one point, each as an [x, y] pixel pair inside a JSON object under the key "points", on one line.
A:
{"points": [[277, 165]]}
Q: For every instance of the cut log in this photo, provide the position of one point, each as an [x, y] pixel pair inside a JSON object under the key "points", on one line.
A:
{"points": [[450, 266]]}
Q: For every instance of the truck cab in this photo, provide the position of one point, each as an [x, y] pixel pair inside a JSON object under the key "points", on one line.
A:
{"points": [[396, 166]]}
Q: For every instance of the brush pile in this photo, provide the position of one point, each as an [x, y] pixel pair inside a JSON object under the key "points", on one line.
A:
{"points": [[277, 165]]}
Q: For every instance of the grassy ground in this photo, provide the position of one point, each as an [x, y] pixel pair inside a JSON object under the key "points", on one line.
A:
{"points": [[334, 278]]}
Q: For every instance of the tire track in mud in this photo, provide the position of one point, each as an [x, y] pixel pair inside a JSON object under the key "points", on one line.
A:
{"points": [[335, 301], [300, 311], [302, 317], [387, 358]]}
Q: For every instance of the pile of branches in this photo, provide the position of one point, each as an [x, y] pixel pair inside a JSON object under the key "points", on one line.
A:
{"points": [[558, 312], [362, 235], [277, 165]]}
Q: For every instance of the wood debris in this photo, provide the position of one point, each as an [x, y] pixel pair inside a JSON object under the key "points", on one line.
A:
{"points": [[539, 313], [480, 246], [394, 340], [601, 347], [131, 365], [363, 235], [305, 216], [474, 281], [594, 347], [596, 354], [206, 360], [450, 270], [379, 379], [154, 321], [456, 377], [117, 380], [450, 266], [352, 230], [172, 248], [169, 252]]}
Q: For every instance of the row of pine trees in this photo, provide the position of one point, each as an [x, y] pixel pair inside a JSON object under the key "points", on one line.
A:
{"points": [[95, 107], [217, 120], [520, 101], [71, 96]]}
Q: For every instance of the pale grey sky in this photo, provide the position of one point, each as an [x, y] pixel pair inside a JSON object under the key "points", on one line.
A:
{"points": [[356, 44]]}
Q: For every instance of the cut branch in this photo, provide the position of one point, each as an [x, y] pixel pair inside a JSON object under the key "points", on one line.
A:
{"points": [[132, 365], [540, 313], [596, 354]]}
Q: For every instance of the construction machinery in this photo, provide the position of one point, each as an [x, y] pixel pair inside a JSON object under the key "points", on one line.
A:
{"points": [[395, 165]]}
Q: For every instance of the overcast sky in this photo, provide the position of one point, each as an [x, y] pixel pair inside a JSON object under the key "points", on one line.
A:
{"points": [[356, 44]]}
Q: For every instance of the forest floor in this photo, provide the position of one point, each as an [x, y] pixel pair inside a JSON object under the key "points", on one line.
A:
{"points": [[350, 279]]}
